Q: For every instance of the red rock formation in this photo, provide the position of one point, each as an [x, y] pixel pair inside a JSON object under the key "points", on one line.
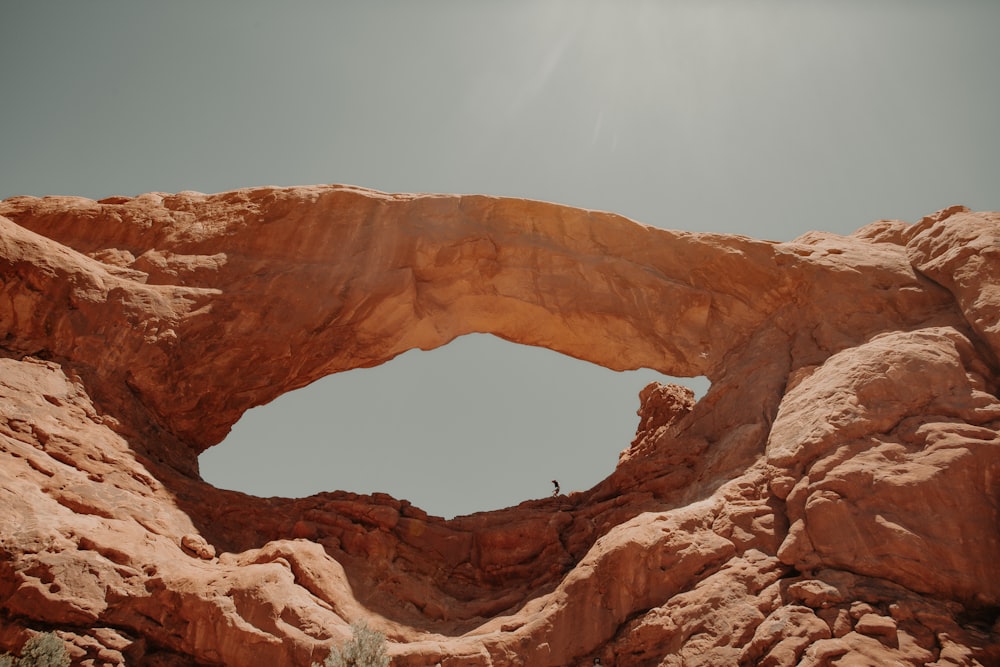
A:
{"points": [[833, 499]]}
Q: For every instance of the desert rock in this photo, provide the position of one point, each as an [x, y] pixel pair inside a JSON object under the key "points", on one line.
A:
{"points": [[833, 498]]}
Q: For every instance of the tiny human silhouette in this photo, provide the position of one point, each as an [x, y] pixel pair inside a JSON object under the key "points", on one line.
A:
{"points": [[555, 492]]}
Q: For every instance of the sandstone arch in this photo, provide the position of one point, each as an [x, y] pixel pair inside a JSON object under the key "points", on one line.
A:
{"points": [[137, 330], [360, 276]]}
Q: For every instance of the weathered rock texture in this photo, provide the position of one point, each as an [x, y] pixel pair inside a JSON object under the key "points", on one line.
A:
{"points": [[833, 499]]}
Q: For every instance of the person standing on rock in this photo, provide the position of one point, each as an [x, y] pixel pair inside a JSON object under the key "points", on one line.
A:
{"points": [[555, 492]]}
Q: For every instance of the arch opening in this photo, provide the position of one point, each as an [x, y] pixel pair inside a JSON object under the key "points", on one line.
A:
{"points": [[478, 424]]}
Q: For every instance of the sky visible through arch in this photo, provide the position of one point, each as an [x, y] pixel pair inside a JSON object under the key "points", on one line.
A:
{"points": [[767, 119]]}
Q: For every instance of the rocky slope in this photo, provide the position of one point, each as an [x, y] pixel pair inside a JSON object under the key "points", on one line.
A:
{"points": [[832, 500]]}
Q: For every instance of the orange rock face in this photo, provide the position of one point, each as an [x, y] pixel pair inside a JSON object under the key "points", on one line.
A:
{"points": [[833, 499]]}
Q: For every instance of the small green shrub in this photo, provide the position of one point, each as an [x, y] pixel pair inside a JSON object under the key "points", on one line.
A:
{"points": [[365, 648], [44, 650]]}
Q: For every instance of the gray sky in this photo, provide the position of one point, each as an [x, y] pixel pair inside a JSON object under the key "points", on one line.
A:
{"points": [[759, 118]]}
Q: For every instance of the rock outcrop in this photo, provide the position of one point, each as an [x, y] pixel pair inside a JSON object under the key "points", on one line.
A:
{"points": [[833, 499]]}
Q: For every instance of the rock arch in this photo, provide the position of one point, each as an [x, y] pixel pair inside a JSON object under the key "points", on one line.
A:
{"points": [[296, 283], [137, 330]]}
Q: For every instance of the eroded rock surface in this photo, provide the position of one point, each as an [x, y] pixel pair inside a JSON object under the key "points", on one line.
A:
{"points": [[833, 499]]}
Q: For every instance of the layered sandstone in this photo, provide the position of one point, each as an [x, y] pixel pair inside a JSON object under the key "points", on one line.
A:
{"points": [[833, 499]]}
